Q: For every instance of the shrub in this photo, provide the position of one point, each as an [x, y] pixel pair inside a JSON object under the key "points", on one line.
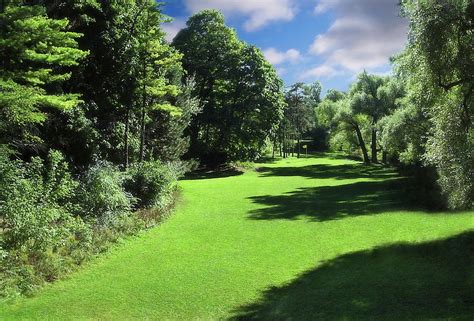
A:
{"points": [[38, 231], [50, 223], [102, 197], [153, 183]]}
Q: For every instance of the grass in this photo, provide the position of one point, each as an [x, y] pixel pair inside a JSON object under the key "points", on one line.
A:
{"points": [[302, 239]]}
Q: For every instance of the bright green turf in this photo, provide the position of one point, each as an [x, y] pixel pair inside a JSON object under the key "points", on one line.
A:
{"points": [[292, 241]]}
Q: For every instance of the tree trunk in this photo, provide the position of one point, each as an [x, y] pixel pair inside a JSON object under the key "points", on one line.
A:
{"points": [[142, 135], [299, 151], [384, 157], [362, 144], [292, 146], [127, 129], [142, 116], [373, 145]]}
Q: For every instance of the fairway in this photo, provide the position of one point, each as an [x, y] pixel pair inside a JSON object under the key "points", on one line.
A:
{"points": [[320, 238]]}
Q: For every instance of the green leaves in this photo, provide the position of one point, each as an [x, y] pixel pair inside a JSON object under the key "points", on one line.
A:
{"points": [[34, 50], [438, 65], [241, 94]]}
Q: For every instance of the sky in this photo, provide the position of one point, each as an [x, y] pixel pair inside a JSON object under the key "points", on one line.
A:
{"points": [[308, 40]]}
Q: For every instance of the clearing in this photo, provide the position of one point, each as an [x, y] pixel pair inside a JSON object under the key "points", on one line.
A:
{"points": [[321, 238]]}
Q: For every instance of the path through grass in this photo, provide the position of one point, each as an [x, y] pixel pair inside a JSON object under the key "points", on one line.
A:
{"points": [[318, 238]]}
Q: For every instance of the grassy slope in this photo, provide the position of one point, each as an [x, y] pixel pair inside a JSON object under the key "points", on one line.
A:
{"points": [[294, 240]]}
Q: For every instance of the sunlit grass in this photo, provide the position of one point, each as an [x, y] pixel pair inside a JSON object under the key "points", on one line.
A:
{"points": [[297, 239]]}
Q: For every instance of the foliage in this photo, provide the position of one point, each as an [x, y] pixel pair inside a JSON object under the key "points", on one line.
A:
{"points": [[36, 52], [240, 92], [438, 64], [153, 183], [102, 195], [40, 236]]}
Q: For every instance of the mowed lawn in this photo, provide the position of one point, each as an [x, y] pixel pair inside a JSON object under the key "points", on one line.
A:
{"points": [[320, 238]]}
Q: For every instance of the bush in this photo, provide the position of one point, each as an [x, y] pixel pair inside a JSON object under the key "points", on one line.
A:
{"points": [[39, 233], [154, 183], [102, 197], [50, 223]]}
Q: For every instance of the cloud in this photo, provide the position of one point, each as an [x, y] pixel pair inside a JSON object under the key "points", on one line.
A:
{"points": [[322, 71], [259, 13], [276, 57], [364, 35], [172, 28], [281, 71]]}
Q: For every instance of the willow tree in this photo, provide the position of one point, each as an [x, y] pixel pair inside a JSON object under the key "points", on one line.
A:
{"points": [[336, 113], [439, 66]]}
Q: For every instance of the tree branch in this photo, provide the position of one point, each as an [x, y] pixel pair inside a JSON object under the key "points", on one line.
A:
{"points": [[450, 85]]}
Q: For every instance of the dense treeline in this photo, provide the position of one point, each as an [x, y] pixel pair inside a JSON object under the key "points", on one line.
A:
{"points": [[99, 119], [422, 116]]}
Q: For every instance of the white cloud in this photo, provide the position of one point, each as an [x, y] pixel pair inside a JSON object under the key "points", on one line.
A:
{"points": [[281, 71], [365, 34], [258, 12], [322, 71], [172, 28], [276, 57]]}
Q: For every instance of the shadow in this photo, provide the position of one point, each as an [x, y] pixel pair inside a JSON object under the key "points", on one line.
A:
{"points": [[208, 174], [331, 202], [427, 281], [267, 160], [321, 171], [344, 156]]}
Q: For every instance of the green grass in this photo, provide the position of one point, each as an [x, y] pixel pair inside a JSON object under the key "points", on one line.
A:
{"points": [[302, 239]]}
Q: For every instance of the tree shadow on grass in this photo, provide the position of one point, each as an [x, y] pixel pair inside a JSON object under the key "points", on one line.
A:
{"points": [[208, 174], [321, 171], [331, 202], [428, 281]]}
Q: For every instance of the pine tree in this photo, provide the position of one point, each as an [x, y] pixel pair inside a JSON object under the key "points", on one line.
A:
{"points": [[35, 52]]}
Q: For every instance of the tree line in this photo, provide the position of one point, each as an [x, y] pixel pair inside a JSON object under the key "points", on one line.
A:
{"points": [[421, 117], [99, 117]]}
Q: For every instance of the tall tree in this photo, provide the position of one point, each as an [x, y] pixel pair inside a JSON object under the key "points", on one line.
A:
{"points": [[35, 54], [439, 66], [131, 77], [365, 99], [240, 92]]}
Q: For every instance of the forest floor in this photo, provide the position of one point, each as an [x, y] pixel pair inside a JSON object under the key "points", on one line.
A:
{"points": [[319, 238]]}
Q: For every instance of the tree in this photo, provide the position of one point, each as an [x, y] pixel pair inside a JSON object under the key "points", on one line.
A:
{"points": [[240, 92], [301, 100], [438, 64], [129, 80], [365, 99], [336, 113], [156, 62], [35, 53]]}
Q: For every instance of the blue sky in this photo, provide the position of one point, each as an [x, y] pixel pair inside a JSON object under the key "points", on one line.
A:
{"points": [[308, 40]]}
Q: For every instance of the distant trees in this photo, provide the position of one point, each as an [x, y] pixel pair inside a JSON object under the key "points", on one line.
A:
{"points": [[299, 117], [423, 115], [239, 90], [367, 98], [338, 115]]}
